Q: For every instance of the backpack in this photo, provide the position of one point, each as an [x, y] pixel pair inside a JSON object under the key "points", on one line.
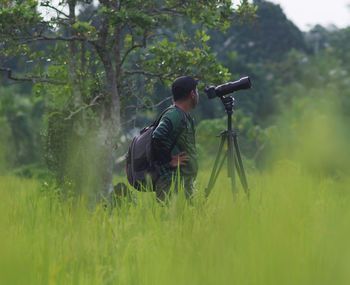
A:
{"points": [[141, 166]]}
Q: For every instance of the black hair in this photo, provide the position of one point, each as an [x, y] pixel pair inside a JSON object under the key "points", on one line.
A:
{"points": [[180, 93], [182, 87]]}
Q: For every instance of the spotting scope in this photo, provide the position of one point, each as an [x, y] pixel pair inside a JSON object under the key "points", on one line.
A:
{"points": [[227, 88]]}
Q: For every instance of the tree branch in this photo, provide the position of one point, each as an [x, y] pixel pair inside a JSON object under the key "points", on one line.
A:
{"points": [[34, 79], [129, 121], [144, 72], [58, 38], [46, 4], [93, 13], [91, 104], [161, 102], [168, 10], [128, 51], [153, 105], [134, 46]]}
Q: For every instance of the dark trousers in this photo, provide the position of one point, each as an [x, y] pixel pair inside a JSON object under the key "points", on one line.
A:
{"points": [[163, 186]]}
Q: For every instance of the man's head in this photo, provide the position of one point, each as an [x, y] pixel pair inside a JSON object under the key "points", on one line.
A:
{"points": [[185, 88]]}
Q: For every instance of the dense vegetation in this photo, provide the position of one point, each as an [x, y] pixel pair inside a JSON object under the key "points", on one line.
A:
{"points": [[295, 66], [294, 136]]}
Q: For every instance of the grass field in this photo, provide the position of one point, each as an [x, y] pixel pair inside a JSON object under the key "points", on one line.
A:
{"points": [[293, 230]]}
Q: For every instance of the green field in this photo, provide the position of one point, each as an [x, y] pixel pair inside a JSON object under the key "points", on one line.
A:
{"points": [[293, 230]]}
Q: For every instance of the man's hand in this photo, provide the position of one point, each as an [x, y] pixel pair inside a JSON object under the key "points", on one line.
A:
{"points": [[178, 159]]}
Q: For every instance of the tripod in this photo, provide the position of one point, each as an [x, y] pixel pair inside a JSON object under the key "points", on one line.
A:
{"points": [[233, 155]]}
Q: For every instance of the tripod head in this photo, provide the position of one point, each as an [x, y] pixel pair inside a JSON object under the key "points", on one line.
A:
{"points": [[228, 102]]}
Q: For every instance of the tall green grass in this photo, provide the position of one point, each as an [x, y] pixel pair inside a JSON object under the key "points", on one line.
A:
{"points": [[294, 229]]}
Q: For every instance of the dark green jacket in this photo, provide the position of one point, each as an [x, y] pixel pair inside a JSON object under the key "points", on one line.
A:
{"points": [[171, 124]]}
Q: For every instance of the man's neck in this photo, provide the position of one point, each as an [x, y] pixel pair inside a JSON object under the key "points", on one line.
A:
{"points": [[183, 106]]}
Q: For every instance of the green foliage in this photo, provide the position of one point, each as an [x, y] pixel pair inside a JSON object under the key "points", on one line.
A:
{"points": [[314, 113], [269, 38], [34, 171], [21, 117], [219, 14], [184, 58], [340, 39], [140, 56], [72, 154], [255, 49], [14, 14], [158, 41], [251, 137], [7, 158], [57, 144], [16, 18]]}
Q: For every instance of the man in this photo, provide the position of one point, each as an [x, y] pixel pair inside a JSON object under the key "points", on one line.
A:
{"points": [[174, 139]]}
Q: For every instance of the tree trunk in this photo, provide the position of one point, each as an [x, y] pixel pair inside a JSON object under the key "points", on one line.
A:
{"points": [[110, 128], [110, 116], [73, 76]]}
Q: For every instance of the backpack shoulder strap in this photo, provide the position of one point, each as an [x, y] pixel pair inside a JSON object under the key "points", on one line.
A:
{"points": [[156, 122], [183, 114]]}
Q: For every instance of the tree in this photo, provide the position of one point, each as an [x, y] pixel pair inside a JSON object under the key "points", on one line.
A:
{"points": [[339, 41], [99, 60], [269, 38], [258, 50]]}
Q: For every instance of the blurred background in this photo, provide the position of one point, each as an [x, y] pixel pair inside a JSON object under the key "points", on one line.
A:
{"points": [[297, 108]]}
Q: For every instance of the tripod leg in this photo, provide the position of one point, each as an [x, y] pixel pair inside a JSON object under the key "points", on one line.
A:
{"points": [[231, 163], [215, 170], [239, 166], [219, 169]]}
